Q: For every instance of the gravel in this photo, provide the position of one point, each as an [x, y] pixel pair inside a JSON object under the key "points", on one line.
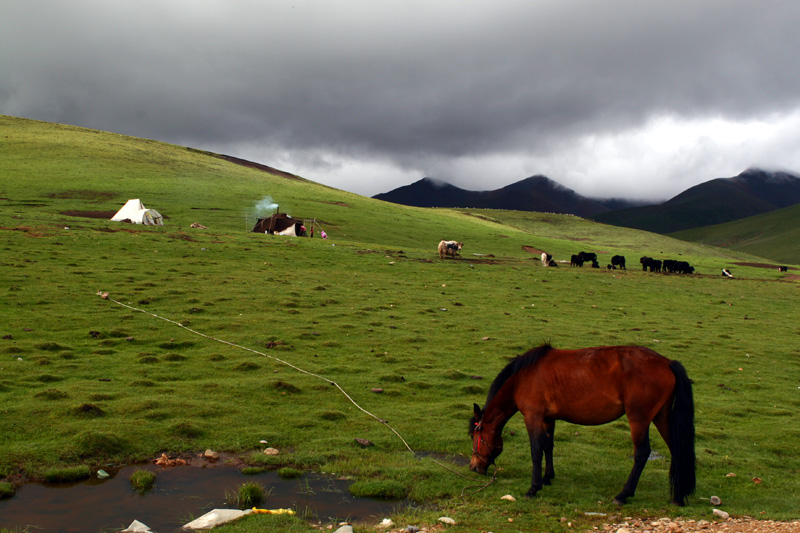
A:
{"points": [[731, 525]]}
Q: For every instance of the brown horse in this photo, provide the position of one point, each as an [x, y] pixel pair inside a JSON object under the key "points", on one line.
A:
{"points": [[591, 386]]}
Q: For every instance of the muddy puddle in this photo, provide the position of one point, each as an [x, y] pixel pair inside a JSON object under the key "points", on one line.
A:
{"points": [[180, 495]]}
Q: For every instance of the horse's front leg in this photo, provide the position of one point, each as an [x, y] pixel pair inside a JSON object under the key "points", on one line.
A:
{"points": [[549, 471], [538, 438]]}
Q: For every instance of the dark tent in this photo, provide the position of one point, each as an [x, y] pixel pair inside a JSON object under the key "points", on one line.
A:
{"points": [[279, 223]]}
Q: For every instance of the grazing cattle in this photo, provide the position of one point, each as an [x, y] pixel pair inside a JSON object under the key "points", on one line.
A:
{"points": [[726, 272], [576, 261], [450, 248], [618, 261], [547, 259], [655, 265], [677, 267], [588, 257], [552, 263], [783, 269], [595, 264]]}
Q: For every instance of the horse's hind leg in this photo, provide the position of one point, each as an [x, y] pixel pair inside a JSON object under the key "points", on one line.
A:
{"points": [[549, 471], [641, 451]]}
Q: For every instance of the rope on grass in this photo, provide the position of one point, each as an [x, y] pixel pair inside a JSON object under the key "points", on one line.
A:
{"points": [[105, 296]]}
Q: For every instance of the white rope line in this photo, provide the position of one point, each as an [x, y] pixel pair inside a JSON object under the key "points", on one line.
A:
{"points": [[105, 296]]}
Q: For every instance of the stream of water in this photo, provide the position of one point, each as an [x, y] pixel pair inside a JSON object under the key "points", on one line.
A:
{"points": [[180, 495]]}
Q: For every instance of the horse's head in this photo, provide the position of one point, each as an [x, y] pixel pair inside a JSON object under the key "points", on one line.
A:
{"points": [[486, 443]]}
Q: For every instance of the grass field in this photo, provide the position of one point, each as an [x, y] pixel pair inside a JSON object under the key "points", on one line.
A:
{"points": [[86, 381]]}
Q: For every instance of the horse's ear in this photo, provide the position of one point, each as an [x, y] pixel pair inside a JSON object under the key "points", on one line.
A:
{"points": [[477, 411]]}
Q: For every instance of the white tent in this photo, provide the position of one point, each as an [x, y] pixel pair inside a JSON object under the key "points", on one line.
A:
{"points": [[134, 211]]}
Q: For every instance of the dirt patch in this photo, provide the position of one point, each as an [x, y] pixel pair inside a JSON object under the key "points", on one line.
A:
{"points": [[182, 237], [29, 231], [532, 250], [89, 214]]}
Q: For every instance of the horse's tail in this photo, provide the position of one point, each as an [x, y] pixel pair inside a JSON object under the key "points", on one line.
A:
{"points": [[682, 478]]}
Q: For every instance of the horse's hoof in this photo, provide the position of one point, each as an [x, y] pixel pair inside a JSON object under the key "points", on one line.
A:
{"points": [[546, 482], [618, 502], [531, 493]]}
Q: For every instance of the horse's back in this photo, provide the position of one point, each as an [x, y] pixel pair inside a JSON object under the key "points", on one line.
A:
{"points": [[595, 385]]}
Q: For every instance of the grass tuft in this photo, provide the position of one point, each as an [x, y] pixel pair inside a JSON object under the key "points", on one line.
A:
{"points": [[186, 430], [143, 481], [7, 490], [332, 416], [96, 443], [249, 495], [50, 346], [386, 489], [88, 410], [51, 394], [246, 367], [67, 474], [289, 472]]}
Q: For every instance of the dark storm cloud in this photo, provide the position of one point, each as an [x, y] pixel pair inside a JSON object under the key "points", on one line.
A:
{"points": [[391, 91]]}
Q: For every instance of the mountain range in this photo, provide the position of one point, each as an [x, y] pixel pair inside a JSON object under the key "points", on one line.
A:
{"points": [[720, 200]]}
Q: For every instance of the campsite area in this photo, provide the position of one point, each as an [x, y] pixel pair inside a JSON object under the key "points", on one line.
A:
{"points": [[412, 339]]}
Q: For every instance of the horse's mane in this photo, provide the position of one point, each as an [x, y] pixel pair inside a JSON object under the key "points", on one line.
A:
{"points": [[518, 363]]}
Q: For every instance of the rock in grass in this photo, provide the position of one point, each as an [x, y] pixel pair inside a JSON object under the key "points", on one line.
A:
{"points": [[721, 514], [508, 497], [715, 500], [447, 520], [364, 443], [211, 454], [271, 451]]}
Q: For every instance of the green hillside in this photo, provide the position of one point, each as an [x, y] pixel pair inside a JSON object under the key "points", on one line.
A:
{"points": [[774, 235], [159, 366]]}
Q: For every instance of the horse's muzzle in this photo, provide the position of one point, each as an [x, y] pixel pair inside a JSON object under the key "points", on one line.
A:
{"points": [[478, 466]]}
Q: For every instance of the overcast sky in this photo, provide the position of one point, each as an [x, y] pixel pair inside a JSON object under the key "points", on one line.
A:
{"points": [[632, 98]]}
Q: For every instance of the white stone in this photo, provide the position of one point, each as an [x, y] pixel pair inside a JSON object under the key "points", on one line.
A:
{"points": [[447, 520], [508, 497], [137, 527], [721, 514], [216, 517]]}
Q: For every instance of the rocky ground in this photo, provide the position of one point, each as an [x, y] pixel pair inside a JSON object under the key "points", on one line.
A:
{"points": [[730, 525]]}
